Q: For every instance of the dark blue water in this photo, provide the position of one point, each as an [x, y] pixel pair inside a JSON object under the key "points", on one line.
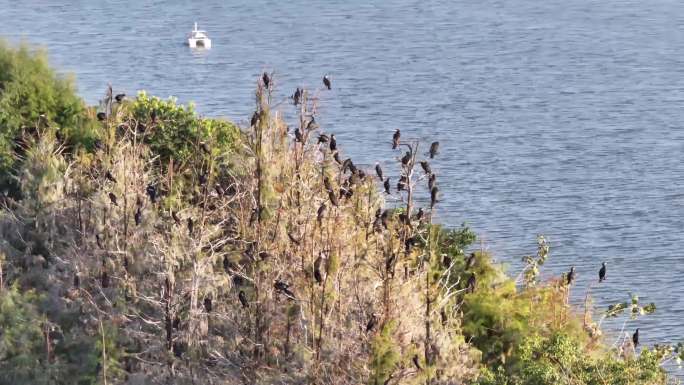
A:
{"points": [[556, 117]]}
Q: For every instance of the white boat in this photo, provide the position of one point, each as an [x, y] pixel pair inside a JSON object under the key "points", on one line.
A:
{"points": [[199, 39]]}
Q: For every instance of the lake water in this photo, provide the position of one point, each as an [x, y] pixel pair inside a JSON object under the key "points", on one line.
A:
{"points": [[556, 117]]}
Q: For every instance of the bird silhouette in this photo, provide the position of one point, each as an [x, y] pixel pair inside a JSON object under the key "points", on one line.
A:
{"points": [[433, 196], [112, 198], [401, 185], [176, 218], [336, 156], [406, 159], [389, 263], [635, 338], [110, 177], [138, 217], [326, 82], [321, 212], [432, 181], [298, 136], [104, 278], [378, 171], [323, 138], [297, 96], [312, 125], [419, 214], [191, 224], [284, 288], [243, 299], [333, 198], [266, 79], [371, 323], [77, 281], [120, 98], [470, 261], [571, 276], [434, 147], [395, 139], [152, 193], [203, 179], [386, 184], [416, 362], [317, 269], [333, 143], [327, 184], [426, 167], [208, 305], [602, 272], [101, 116], [472, 283], [255, 119]]}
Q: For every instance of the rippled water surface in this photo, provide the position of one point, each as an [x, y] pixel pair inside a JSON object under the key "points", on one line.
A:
{"points": [[556, 117]]}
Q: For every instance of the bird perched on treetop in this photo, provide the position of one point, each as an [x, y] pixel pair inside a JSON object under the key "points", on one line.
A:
{"points": [[297, 95], [426, 166], [571, 276], [266, 79], [635, 338], [243, 299], [395, 139], [378, 170], [434, 147], [387, 186], [333, 143], [602, 273], [326, 82], [112, 198]]}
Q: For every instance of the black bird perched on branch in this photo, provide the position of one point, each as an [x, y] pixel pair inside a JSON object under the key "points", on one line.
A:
{"points": [[635, 338], [401, 185], [255, 119], [297, 95], [110, 177], [266, 79], [284, 288], [112, 198], [432, 180], [378, 171], [77, 281], [226, 264], [419, 214], [406, 158], [321, 212], [120, 98], [298, 136], [312, 125], [433, 196], [347, 164], [426, 166], [571, 276], [371, 322], [333, 198], [207, 304], [323, 138], [138, 216], [395, 139], [389, 263], [387, 186], [152, 193], [434, 147], [602, 272], [243, 299], [472, 282], [203, 179], [101, 116], [176, 218], [317, 269], [191, 224], [333, 143], [416, 362], [326, 82]]}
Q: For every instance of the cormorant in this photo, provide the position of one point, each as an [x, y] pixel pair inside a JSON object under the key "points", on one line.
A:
{"points": [[472, 282], [219, 190], [297, 95], [327, 184], [176, 218], [333, 198], [635, 338], [284, 288], [321, 212], [298, 136], [266, 79], [336, 156], [446, 261], [602, 272], [120, 98], [112, 198], [317, 269], [416, 362], [207, 304], [426, 166], [434, 147], [390, 262], [203, 179], [333, 143], [293, 239], [152, 193], [347, 164], [419, 214], [99, 241], [312, 125], [323, 138], [371, 323], [433, 196], [571, 275], [401, 185], [406, 158], [191, 224], [387, 185], [326, 82], [178, 349], [138, 217], [431, 181], [77, 281], [444, 317], [470, 261], [110, 177], [243, 299], [255, 119], [395, 139], [226, 264], [101, 116], [378, 170], [104, 279]]}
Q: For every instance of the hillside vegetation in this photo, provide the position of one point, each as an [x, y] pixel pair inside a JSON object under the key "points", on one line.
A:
{"points": [[143, 244]]}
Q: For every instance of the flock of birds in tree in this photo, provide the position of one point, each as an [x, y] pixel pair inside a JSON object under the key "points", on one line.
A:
{"points": [[283, 287]]}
